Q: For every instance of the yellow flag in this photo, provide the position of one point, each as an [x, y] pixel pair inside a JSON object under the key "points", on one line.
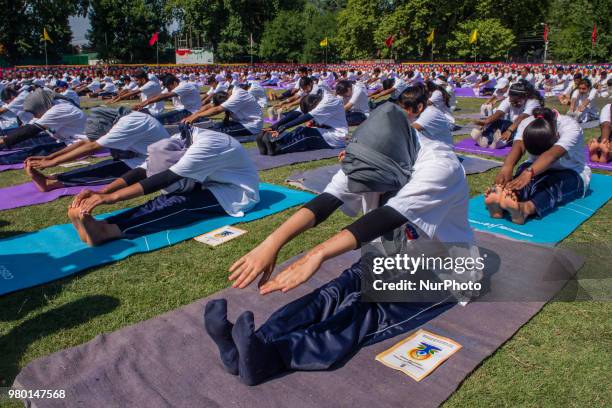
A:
{"points": [[473, 36], [323, 42], [46, 35], [431, 36]]}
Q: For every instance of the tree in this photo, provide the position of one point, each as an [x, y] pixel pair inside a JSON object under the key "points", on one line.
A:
{"points": [[571, 24], [280, 44], [494, 42], [120, 29], [22, 23], [357, 23]]}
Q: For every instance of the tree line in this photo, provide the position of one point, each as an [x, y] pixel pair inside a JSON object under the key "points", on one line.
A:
{"points": [[292, 30]]}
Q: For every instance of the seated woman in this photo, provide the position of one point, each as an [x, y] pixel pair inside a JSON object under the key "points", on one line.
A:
{"points": [[127, 134], [244, 117], [498, 129], [390, 86], [499, 94], [440, 99], [356, 101], [582, 107], [555, 172], [185, 98], [599, 149], [328, 128], [422, 194], [145, 87], [209, 173], [58, 122]]}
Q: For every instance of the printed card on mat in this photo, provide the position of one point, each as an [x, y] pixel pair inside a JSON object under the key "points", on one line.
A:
{"points": [[220, 235], [419, 354], [74, 164]]}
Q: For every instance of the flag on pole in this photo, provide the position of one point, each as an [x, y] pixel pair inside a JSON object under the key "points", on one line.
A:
{"points": [[431, 36], [46, 35], [324, 42], [389, 41], [474, 37], [251, 39], [154, 39], [545, 32], [594, 35]]}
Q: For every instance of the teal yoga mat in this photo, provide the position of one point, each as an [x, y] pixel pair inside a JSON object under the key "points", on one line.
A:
{"points": [[56, 252], [552, 228]]}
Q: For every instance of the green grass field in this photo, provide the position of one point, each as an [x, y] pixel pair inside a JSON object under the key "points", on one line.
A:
{"points": [[562, 357]]}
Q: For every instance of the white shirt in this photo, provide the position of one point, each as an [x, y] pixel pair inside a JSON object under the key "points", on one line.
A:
{"points": [[94, 86], [259, 94], [398, 87], [437, 100], [360, 99], [245, 110], [590, 109], [604, 116], [148, 90], [73, 96], [222, 165], [436, 127], [134, 133], [330, 113], [571, 139], [511, 113], [435, 199], [66, 121], [188, 97]]}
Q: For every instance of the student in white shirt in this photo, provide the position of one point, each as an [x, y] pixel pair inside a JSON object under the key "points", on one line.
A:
{"points": [[125, 133], [498, 129], [499, 94], [62, 88], [255, 89], [286, 109], [430, 204], [599, 149], [215, 84], [554, 173], [390, 86], [147, 89], [211, 173], [439, 98], [244, 117], [565, 98], [328, 129], [8, 118], [185, 98], [582, 107], [356, 101]]}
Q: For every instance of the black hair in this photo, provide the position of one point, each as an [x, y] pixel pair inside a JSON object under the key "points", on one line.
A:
{"points": [[485, 77], [342, 87], [524, 89], [211, 79], [388, 83], [577, 75], [587, 82], [305, 81], [541, 134], [8, 93], [309, 102], [169, 79], [412, 97], [219, 97], [431, 87], [140, 74], [609, 82], [303, 70]]}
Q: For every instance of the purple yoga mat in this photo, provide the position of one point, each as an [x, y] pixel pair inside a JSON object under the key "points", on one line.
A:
{"points": [[469, 146], [464, 92], [26, 194], [170, 361], [17, 166], [600, 166]]}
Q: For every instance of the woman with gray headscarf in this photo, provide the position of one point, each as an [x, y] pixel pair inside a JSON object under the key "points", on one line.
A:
{"points": [[58, 122], [418, 190]]}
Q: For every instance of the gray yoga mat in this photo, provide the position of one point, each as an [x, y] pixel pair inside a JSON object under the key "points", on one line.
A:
{"points": [[170, 361], [315, 180], [590, 125], [271, 162]]}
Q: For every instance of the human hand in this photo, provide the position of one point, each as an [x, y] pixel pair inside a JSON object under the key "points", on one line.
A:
{"points": [[296, 274], [260, 260]]}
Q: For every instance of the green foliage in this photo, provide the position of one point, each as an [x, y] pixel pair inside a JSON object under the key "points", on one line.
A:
{"points": [[571, 25], [357, 23], [494, 40], [121, 29], [22, 23]]}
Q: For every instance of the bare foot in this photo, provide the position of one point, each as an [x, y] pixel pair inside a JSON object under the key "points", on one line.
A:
{"points": [[94, 232], [74, 215], [492, 198], [593, 146], [42, 182], [510, 203], [605, 151]]}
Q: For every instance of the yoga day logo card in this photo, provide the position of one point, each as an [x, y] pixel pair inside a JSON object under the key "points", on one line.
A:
{"points": [[418, 355], [220, 235]]}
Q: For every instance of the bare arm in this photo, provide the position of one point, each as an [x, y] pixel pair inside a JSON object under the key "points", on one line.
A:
{"points": [[83, 149]]}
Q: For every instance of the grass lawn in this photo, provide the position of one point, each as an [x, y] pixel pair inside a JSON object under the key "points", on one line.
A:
{"points": [[562, 357]]}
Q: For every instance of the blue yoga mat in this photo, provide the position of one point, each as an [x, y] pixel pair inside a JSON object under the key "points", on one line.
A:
{"points": [[56, 252], [552, 228]]}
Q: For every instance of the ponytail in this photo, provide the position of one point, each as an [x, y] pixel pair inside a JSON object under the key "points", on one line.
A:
{"points": [[541, 134]]}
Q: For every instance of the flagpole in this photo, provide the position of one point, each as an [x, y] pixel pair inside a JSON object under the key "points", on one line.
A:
{"points": [[251, 48], [433, 46], [545, 51], [47, 61], [157, 52]]}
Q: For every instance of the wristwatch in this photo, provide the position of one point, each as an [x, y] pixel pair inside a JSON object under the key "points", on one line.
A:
{"points": [[531, 171]]}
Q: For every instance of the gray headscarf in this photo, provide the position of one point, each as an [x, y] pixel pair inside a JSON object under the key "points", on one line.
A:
{"points": [[382, 152], [101, 120], [41, 100]]}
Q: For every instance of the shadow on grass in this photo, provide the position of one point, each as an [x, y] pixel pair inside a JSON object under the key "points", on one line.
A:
{"points": [[16, 342]]}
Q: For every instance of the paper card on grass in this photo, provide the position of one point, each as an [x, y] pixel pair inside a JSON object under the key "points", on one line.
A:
{"points": [[419, 354], [220, 235], [74, 164]]}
